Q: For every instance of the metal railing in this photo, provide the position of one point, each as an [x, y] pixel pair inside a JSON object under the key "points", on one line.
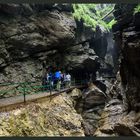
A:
{"points": [[28, 88]]}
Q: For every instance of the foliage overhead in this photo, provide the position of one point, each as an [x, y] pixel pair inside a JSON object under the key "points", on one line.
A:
{"points": [[111, 23], [92, 15], [137, 9]]}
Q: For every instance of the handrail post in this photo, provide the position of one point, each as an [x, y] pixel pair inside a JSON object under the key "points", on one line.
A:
{"points": [[24, 92], [50, 88]]}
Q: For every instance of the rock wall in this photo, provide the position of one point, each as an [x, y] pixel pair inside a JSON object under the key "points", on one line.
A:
{"points": [[121, 114], [30, 41], [34, 37], [128, 32]]}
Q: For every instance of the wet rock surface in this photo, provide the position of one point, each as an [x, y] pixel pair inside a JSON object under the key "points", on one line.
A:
{"points": [[121, 114]]}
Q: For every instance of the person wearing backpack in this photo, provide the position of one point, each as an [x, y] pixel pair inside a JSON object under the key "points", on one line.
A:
{"points": [[51, 82]]}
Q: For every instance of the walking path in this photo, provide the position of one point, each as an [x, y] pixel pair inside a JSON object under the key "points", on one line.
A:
{"points": [[6, 102]]}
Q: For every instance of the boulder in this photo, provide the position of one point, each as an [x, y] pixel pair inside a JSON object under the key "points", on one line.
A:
{"points": [[90, 105], [93, 97], [55, 117], [76, 94]]}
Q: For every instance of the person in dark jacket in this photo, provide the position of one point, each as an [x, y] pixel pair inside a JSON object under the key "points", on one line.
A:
{"points": [[51, 79]]}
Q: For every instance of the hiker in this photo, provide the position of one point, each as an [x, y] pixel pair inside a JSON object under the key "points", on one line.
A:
{"points": [[58, 80], [62, 80], [68, 80], [50, 79]]}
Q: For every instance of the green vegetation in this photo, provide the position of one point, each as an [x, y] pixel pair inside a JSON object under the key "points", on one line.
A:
{"points": [[111, 23], [137, 9], [93, 14]]}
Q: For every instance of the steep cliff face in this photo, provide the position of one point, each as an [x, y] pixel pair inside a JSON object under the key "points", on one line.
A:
{"points": [[36, 36], [128, 31], [33, 37], [121, 114], [29, 37]]}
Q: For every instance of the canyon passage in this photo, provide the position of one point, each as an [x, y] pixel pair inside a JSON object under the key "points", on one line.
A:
{"points": [[69, 70]]}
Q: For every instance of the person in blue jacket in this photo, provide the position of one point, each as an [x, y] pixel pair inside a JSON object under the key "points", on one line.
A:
{"points": [[57, 77]]}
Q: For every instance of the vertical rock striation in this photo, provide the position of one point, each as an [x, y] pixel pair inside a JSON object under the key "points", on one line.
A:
{"points": [[121, 117]]}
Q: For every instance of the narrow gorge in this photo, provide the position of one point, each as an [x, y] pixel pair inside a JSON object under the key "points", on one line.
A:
{"points": [[98, 44]]}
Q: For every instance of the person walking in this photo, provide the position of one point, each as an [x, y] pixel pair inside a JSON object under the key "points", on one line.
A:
{"points": [[62, 80], [58, 80], [50, 78], [68, 80]]}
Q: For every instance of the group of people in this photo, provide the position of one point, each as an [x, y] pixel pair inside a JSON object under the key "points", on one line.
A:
{"points": [[57, 80]]}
